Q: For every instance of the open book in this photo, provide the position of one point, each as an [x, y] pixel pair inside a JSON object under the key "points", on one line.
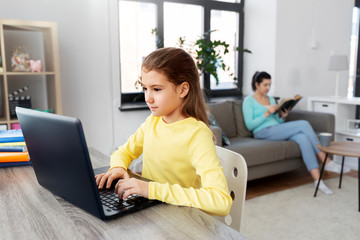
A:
{"points": [[288, 103]]}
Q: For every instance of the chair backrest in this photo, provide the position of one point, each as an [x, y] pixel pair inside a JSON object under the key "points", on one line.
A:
{"points": [[235, 170]]}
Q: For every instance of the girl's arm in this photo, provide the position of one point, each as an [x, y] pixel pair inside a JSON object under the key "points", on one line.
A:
{"points": [[121, 159], [213, 195], [210, 198], [131, 150]]}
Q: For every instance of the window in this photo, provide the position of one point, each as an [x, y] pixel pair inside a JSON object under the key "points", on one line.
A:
{"points": [[353, 85], [136, 42], [177, 22], [145, 25], [232, 1], [226, 24]]}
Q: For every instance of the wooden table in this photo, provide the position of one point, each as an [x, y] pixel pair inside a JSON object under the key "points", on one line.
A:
{"points": [[29, 211], [344, 149]]}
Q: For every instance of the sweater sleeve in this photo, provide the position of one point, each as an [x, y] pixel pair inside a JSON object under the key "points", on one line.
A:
{"points": [[212, 197], [131, 150]]}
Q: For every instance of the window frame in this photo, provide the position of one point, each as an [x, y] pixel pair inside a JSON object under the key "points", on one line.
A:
{"points": [[127, 102]]}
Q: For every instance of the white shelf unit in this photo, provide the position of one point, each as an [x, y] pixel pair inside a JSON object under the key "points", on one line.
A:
{"points": [[344, 109], [40, 40]]}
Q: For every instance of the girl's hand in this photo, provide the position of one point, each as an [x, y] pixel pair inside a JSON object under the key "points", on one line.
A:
{"points": [[110, 176], [125, 187]]}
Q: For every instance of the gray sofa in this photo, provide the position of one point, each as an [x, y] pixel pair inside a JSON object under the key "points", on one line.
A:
{"points": [[264, 158]]}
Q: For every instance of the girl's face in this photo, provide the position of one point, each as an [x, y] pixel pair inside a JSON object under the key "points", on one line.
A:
{"points": [[263, 87], [163, 97]]}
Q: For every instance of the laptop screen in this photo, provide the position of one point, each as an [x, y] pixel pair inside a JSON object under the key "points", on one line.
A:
{"points": [[60, 157]]}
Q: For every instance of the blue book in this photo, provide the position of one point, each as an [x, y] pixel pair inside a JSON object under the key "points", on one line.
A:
{"points": [[14, 164], [13, 135], [12, 148]]}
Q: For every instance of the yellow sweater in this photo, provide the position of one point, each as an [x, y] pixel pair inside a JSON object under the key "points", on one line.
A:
{"points": [[180, 159]]}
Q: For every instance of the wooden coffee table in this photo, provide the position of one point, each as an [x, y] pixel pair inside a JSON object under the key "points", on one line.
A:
{"points": [[344, 149]]}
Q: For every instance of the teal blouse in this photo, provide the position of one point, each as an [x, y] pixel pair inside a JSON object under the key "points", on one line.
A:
{"points": [[254, 117]]}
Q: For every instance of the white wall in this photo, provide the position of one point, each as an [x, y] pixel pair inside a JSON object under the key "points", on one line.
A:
{"points": [[260, 38], [277, 31], [308, 40], [305, 34], [89, 90]]}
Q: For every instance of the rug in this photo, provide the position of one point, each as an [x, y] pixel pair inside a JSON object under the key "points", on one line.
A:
{"points": [[296, 214]]}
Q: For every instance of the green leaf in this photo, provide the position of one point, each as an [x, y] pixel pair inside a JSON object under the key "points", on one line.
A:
{"points": [[243, 50], [209, 54]]}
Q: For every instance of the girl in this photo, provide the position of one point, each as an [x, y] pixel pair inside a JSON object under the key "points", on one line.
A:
{"points": [[178, 150], [258, 114]]}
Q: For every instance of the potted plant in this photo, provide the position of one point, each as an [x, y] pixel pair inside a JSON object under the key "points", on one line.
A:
{"points": [[209, 54]]}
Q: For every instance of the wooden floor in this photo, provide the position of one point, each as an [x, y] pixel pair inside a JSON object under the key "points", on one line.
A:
{"points": [[259, 187]]}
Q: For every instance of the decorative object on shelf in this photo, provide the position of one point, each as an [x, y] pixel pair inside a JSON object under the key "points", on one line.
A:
{"points": [[36, 66], [15, 126], [16, 100], [338, 63], [353, 125], [20, 60]]}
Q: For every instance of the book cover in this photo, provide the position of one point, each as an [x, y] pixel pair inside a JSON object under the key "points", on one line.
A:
{"points": [[13, 135], [14, 164], [12, 148], [14, 156], [13, 144], [288, 103]]}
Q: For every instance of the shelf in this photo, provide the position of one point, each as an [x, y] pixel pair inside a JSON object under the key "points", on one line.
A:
{"points": [[28, 73], [13, 121], [349, 133], [38, 41], [22, 28], [340, 100]]}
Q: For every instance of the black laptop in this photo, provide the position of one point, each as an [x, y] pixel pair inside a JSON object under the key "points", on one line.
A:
{"points": [[61, 162]]}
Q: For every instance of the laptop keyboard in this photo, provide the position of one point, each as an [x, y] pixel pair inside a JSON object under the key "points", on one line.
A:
{"points": [[111, 201]]}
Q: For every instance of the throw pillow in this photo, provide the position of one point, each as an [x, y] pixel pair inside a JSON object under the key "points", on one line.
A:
{"points": [[213, 122]]}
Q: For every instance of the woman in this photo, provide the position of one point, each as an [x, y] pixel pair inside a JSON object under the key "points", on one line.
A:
{"points": [[259, 116]]}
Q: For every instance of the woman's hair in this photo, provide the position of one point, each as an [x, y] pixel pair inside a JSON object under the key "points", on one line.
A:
{"points": [[258, 78], [178, 66]]}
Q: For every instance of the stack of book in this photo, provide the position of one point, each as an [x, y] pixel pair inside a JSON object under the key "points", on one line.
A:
{"points": [[13, 150]]}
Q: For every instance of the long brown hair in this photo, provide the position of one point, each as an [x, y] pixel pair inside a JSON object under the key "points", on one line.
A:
{"points": [[178, 66]]}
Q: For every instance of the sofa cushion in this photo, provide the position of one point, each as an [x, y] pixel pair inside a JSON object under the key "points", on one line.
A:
{"points": [[258, 152], [212, 122], [320, 122], [241, 128], [217, 131], [224, 115], [292, 149]]}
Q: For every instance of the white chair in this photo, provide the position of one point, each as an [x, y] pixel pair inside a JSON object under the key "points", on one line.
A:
{"points": [[235, 170]]}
